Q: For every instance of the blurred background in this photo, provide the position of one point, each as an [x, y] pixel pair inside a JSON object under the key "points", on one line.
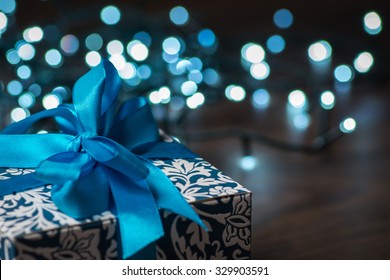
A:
{"points": [[290, 99]]}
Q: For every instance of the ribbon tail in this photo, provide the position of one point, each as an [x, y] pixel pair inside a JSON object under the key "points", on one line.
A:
{"points": [[138, 217], [168, 196]]}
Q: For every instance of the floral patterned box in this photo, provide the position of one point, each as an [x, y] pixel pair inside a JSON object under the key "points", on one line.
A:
{"points": [[31, 226]]}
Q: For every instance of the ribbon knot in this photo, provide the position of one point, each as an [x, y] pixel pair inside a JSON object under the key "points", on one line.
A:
{"points": [[101, 160], [76, 144]]}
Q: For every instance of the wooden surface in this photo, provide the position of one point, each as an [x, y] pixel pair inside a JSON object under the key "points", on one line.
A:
{"points": [[334, 204]]}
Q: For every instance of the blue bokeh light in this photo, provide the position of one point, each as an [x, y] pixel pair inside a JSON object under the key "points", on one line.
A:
{"points": [[110, 15], [276, 44], [343, 73], [283, 18], [206, 38], [179, 15]]}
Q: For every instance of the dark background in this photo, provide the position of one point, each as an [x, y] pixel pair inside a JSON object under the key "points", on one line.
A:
{"points": [[332, 204]]}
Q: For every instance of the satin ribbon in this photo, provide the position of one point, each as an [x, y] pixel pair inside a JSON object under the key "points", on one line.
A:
{"points": [[101, 160]]}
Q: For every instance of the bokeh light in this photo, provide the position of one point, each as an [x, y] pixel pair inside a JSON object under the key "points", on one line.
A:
{"points": [[283, 18], [26, 100], [248, 163], [276, 44], [14, 87], [33, 34], [188, 88], [348, 125], [195, 76], [235, 93], [69, 44], [118, 60], [26, 51], [254, 53], [343, 73], [195, 100], [261, 99], [143, 37], [171, 45], [94, 42], [327, 100], [51, 101], [137, 50], [93, 58], [12, 56], [260, 71], [110, 15], [24, 72], [115, 47], [144, 72], [297, 99], [211, 77], [372, 23], [54, 58], [18, 114], [8, 6], [206, 37], [301, 121], [320, 51], [128, 72], [3, 22], [363, 62], [179, 15]]}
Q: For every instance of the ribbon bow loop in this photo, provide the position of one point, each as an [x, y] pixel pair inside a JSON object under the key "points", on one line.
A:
{"points": [[100, 161]]}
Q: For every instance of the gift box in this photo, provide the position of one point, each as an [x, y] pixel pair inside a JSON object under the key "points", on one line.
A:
{"points": [[32, 227], [108, 186]]}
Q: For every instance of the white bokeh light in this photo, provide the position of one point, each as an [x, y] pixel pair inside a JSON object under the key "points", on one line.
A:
{"points": [[93, 58], [372, 23], [363, 62], [115, 47], [33, 34], [320, 51], [235, 93], [19, 114], [260, 71], [51, 101], [137, 50], [297, 99], [254, 53], [348, 125], [327, 100]]}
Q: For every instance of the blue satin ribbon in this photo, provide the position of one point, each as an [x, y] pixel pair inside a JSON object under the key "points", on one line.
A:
{"points": [[101, 160]]}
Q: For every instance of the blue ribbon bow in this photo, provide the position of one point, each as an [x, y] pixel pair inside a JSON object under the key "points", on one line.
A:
{"points": [[100, 161]]}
